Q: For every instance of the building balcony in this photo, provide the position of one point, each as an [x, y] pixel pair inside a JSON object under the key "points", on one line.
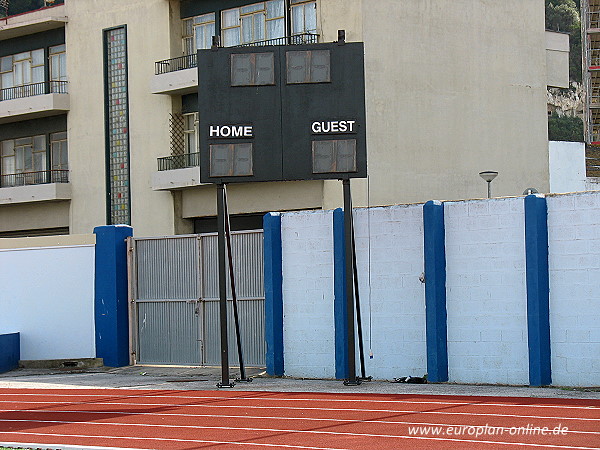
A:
{"points": [[178, 76], [33, 100], [177, 172], [33, 22], [27, 187]]}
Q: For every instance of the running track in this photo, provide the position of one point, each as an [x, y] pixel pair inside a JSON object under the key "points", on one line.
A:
{"points": [[161, 419]]}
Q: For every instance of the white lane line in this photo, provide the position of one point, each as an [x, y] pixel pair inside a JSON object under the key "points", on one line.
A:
{"points": [[308, 419], [299, 408], [524, 444], [327, 400], [196, 441], [37, 445]]}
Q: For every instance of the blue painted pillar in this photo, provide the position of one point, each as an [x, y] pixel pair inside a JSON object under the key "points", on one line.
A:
{"points": [[340, 310], [273, 294], [435, 291], [111, 303], [538, 290], [10, 351]]}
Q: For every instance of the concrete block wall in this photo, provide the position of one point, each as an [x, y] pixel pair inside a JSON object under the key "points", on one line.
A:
{"points": [[391, 295], [486, 291], [574, 266], [307, 254]]}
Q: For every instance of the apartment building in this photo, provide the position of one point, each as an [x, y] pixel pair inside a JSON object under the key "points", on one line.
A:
{"points": [[99, 107]]}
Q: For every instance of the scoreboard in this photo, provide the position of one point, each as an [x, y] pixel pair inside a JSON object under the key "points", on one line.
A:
{"points": [[279, 113]]}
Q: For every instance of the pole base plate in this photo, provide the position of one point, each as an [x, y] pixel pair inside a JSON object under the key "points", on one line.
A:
{"points": [[243, 380], [225, 385]]}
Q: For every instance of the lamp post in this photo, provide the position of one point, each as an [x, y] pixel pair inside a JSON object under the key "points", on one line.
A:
{"points": [[488, 176]]}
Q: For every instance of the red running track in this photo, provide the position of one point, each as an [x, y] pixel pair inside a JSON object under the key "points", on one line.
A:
{"points": [[156, 419]]}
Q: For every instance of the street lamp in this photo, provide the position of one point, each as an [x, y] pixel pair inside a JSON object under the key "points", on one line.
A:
{"points": [[488, 176]]}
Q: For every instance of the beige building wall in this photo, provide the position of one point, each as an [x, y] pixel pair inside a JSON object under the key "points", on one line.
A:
{"points": [[148, 36], [453, 87]]}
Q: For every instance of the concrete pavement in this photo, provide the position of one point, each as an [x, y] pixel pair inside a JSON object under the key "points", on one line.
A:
{"points": [[206, 378]]}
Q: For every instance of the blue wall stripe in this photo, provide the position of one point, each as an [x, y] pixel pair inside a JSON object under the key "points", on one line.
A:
{"points": [[10, 351], [273, 294], [111, 305], [538, 290], [435, 291], [340, 310]]}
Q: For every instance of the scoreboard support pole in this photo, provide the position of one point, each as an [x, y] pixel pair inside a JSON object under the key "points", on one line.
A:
{"points": [[221, 243], [361, 347], [349, 268], [236, 319]]}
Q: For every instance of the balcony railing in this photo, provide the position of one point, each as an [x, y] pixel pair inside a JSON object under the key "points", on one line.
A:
{"points": [[29, 178], [296, 39], [191, 61], [174, 64], [179, 161], [29, 90]]}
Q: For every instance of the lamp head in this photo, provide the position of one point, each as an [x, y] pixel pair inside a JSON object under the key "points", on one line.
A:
{"points": [[488, 175]]}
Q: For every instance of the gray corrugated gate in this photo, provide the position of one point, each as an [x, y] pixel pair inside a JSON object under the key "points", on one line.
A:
{"points": [[175, 308]]}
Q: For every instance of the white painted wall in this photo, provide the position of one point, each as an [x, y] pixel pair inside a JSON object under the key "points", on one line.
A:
{"points": [[574, 260], [307, 252], [48, 296], [486, 291], [391, 295], [567, 167]]}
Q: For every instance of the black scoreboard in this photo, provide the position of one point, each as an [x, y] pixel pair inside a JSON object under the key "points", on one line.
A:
{"points": [[277, 113]]}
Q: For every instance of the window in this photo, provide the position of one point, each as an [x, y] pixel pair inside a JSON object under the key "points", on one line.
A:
{"points": [[58, 69], [25, 160], [308, 67], [59, 151], [230, 160], [21, 71], [198, 32], [253, 23], [334, 156], [252, 69], [304, 17], [190, 132]]}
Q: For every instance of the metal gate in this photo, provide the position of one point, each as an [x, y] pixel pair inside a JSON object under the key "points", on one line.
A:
{"points": [[174, 313]]}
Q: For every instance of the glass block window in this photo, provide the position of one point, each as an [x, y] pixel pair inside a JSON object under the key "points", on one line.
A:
{"points": [[230, 160], [308, 67], [117, 128], [334, 156], [252, 69]]}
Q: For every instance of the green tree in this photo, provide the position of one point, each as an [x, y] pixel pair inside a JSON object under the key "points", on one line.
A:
{"points": [[563, 15], [565, 128]]}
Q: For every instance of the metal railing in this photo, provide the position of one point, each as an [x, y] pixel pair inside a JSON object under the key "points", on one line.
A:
{"points": [[29, 178], [179, 161], [191, 61], [30, 90], [296, 39], [175, 64]]}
